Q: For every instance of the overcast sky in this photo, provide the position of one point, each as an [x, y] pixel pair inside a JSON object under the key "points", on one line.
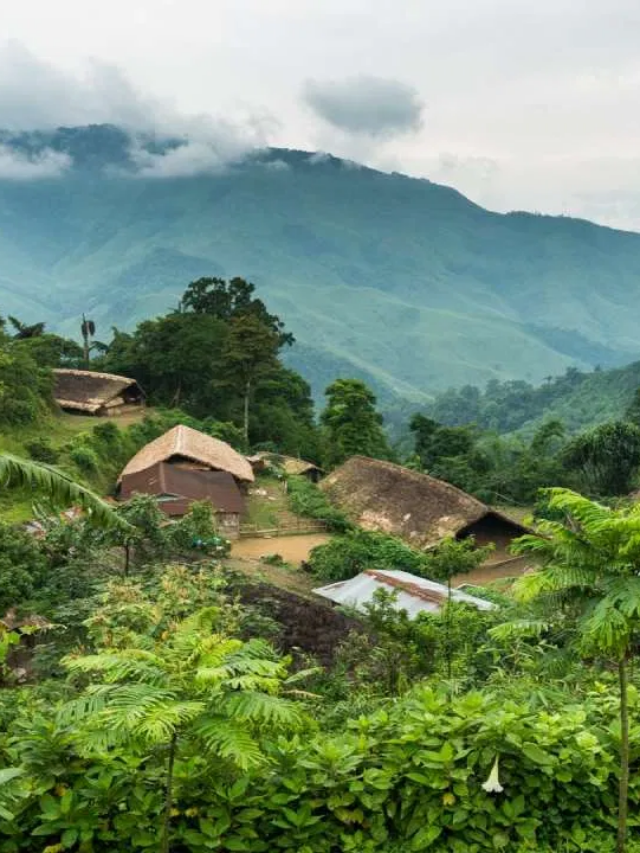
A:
{"points": [[518, 105]]}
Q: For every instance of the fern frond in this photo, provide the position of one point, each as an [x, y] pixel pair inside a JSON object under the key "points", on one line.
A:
{"points": [[229, 740], [119, 666], [261, 708]]}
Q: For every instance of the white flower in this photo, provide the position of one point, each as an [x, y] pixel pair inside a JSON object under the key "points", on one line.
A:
{"points": [[492, 785]]}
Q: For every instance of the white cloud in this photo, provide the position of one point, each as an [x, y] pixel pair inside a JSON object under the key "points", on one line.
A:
{"points": [[364, 105], [22, 167]]}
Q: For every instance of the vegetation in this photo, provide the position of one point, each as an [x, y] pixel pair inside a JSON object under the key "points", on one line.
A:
{"points": [[306, 499], [353, 426]]}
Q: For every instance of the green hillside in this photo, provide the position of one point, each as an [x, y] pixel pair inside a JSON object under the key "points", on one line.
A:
{"points": [[578, 399], [402, 282]]}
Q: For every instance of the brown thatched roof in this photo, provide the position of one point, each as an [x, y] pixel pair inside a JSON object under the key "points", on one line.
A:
{"points": [[181, 487], [89, 391], [392, 499], [183, 442]]}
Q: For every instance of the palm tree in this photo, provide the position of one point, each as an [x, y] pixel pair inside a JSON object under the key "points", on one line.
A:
{"points": [[58, 486], [189, 683], [591, 565]]}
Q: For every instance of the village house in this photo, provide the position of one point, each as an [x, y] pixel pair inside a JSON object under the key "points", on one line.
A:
{"points": [[185, 465], [290, 465], [177, 488], [95, 393], [417, 508]]}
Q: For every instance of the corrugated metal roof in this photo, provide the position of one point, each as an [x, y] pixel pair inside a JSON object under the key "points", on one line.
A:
{"points": [[415, 595], [184, 486]]}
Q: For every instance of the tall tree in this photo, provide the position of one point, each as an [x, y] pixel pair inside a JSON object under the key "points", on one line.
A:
{"points": [[352, 423], [88, 330], [228, 300], [250, 353], [591, 568]]}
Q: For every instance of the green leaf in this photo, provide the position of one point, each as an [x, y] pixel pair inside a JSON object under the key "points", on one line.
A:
{"points": [[425, 837], [69, 837], [537, 755]]}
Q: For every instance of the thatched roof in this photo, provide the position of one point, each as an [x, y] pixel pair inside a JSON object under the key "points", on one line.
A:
{"points": [[89, 391], [392, 499], [183, 442], [290, 464], [179, 487]]}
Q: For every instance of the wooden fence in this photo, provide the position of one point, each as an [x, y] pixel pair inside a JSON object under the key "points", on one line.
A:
{"points": [[299, 528]]}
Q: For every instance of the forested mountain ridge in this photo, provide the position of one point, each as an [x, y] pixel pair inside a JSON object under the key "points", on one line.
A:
{"points": [[578, 399], [402, 282]]}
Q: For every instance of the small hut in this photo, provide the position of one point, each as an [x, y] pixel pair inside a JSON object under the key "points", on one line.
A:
{"points": [[177, 488], [419, 509], [95, 393], [293, 467], [189, 449]]}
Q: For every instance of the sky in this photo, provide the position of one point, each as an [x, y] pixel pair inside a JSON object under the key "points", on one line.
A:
{"points": [[518, 105]]}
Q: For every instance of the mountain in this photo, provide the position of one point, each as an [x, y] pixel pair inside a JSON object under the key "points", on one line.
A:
{"points": [[578, 399], [400, 281]]}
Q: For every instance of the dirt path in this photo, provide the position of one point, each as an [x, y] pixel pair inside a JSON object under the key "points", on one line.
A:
{"points": [[292, 549]]}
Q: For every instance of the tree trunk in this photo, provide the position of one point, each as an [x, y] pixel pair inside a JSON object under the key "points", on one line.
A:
{"points": [[247, 392], [168, 800], [447, 628], [623, 803], [127, 559]]}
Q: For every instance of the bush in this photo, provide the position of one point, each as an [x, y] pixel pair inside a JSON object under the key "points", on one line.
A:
{"points": [[347, 555], [306, 499], [42, 450], [22, 566], [85, 458]]}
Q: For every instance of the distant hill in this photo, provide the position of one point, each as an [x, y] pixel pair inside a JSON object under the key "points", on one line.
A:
{"points": [[578, 399], [402, 282]]}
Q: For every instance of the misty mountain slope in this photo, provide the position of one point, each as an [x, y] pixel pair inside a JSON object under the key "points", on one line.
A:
{"points": [[402, 281]]}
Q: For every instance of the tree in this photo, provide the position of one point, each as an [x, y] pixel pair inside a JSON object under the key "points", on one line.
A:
{"points": [[353, 426], [591, 568], [88, 330], [188, 682], [250, 353], [607, 457], [57, 487], [228, 300]]}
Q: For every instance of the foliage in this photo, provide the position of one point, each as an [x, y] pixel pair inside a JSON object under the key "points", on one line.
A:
{"points": [[57, 487], [607, 457], [306, 499], [590, 565], [25, 387], [41, 450], [352, 424], [346, 555], [22, 566]]}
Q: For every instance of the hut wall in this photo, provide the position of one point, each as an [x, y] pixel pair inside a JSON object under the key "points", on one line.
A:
{"points": [[228, 524], [492, 529]]}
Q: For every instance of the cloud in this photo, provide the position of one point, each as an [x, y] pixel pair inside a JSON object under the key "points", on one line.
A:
{"points": [[366, 106], [36, 95], [15, 166]]}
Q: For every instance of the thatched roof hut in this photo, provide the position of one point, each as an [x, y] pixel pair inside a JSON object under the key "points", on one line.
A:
{"points": [[420, 509], [291, 466], [95, 393], [188, 447], [177, 488]]}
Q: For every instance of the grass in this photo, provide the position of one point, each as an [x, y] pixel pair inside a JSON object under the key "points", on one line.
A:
{"points": [[271, 509], [16, 507]]}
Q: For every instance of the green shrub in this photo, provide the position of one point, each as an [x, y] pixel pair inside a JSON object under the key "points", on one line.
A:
{"points": [[22, 566], [306, 499], [347, 555], [42, 450], [85, 458]]}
